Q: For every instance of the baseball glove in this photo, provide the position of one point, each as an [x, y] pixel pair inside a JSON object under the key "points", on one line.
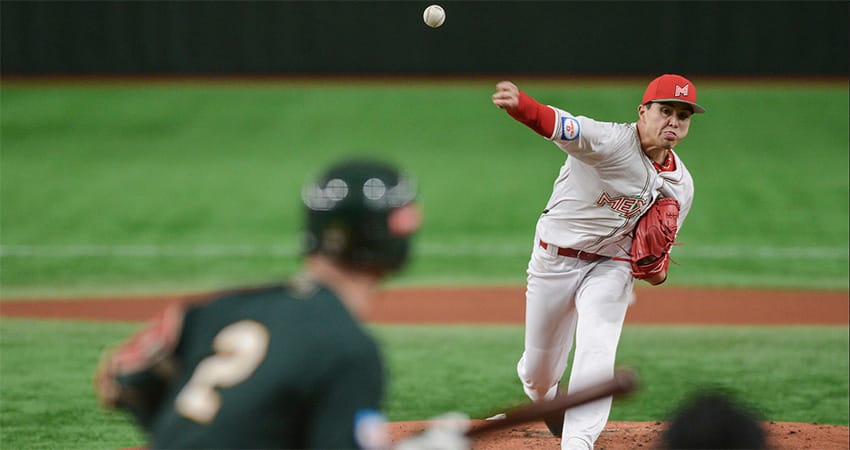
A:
{"points": [[654, 234]]}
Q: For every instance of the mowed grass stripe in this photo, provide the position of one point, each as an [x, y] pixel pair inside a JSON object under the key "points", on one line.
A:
{"points": [[426, 249]]}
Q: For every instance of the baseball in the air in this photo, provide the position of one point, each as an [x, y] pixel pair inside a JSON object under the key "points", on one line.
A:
{"points": [[434, 16]]}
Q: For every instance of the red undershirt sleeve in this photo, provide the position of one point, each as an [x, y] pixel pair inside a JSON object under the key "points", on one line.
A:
{"points": [[534, 115]]}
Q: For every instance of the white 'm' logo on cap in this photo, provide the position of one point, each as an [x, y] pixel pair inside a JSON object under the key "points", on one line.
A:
{"points": [[681, 91]]}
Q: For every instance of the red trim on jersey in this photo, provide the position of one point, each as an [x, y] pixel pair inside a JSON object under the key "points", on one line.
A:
{"points": [[535, 115], [669, 164]]}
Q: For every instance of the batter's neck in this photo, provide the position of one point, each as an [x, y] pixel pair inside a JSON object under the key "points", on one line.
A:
{"points": [[355, 289]]}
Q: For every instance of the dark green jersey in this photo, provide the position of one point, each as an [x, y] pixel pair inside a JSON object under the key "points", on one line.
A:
{"points": [[276, 367]]}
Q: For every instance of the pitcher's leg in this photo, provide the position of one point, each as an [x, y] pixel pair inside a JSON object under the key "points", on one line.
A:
{"points": [[550, 319], [601, 302]]}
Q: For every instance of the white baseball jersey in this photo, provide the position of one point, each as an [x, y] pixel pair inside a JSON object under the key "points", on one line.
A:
{"points": [[605, 185]]}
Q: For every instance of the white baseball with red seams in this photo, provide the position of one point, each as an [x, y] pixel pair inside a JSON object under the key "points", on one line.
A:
{"points": [[434, 16], [579, 282]]}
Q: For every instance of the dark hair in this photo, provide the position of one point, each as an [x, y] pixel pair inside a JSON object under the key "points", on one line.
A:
{"points": [[713, 419], [670, 103]]}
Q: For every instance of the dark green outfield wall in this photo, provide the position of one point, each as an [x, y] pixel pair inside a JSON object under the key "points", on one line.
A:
{"points": [[388, 37]]}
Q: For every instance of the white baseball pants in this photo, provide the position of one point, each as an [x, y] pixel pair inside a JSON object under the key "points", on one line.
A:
{"points": [[566, 299]]}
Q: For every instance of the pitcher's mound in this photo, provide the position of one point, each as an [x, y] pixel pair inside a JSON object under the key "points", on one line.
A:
{"points": [[637, 435]]}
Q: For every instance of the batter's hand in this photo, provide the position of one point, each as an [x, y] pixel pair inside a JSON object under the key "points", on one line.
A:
{"points": [[445, 432], [506, 95]]}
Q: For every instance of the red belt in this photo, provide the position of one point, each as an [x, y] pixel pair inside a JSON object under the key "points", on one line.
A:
{"points": [[573, 253]]}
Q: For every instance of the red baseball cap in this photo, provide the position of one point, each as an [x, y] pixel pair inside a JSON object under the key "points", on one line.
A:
{"points": [[672, 88]]}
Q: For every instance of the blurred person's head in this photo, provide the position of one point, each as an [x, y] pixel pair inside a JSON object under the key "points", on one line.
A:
{"points": [[714, 419], [360, 214]]}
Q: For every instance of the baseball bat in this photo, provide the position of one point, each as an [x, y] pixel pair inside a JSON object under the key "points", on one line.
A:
{"points": [[623, 382]]}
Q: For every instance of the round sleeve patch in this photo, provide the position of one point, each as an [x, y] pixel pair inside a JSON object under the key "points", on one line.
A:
{"points": [[570, 128]]}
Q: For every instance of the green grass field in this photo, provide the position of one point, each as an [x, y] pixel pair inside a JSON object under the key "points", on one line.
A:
{"points": [[164, 187], [115, 189], [795, 374]]}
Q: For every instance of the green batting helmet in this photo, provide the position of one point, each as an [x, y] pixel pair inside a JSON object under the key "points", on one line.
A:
{"points": [[360, 215]]}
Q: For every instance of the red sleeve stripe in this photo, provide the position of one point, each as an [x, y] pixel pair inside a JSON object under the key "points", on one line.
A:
{"points": [[534, 115]]}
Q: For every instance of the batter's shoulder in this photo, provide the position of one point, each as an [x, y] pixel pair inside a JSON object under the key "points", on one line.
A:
{"points": [[291, 296], [298, 287], [239, 293]]}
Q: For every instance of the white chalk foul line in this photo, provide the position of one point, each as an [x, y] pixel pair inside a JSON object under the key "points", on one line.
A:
{"points": [[422, 249]]}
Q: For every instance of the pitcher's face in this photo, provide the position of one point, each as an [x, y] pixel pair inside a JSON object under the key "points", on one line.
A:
{"points": [[664, 124]]}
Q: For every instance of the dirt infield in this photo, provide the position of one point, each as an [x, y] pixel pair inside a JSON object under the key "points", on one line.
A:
{"points": [[665, 305], [506, 304], [638, 435]]}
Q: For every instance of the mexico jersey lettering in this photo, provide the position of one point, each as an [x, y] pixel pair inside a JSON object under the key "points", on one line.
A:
{"points": [[626, 206]]}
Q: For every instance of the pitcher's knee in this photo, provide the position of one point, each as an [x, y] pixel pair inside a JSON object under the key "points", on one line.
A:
{"points": [[540, 391]]}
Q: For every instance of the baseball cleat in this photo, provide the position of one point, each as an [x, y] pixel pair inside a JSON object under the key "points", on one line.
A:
{"points": [[555, 423]]}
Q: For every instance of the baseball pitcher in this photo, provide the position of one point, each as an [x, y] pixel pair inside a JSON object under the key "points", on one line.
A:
{"points": [[616, 206]]}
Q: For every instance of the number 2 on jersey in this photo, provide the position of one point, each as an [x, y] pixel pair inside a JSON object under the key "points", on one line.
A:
{"points": [[239, 350]]}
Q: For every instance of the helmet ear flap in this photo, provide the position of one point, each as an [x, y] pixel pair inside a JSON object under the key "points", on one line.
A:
{"points": [[405, 220]]}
